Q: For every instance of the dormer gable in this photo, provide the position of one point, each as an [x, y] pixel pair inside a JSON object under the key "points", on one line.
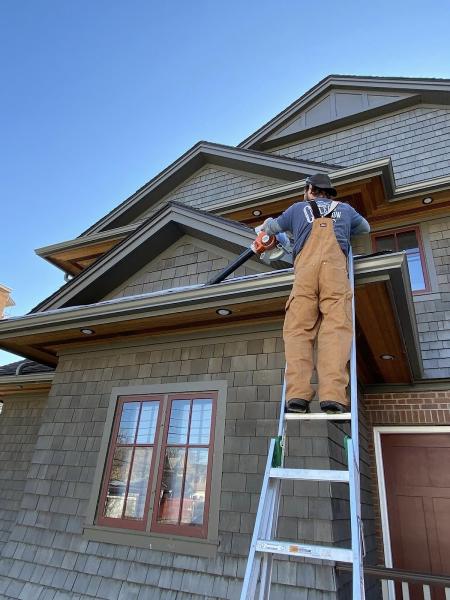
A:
{"points": [[340, 100], [145, 244]]}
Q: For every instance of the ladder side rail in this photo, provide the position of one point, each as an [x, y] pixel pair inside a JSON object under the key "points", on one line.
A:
{"points": [[251, 571], [356, 530], [266, 568], [353, 458], [353, 377]]}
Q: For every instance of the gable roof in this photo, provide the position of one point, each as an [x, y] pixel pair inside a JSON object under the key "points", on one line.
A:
{"points": [[202, 153], [144, 244], [339, 100]]}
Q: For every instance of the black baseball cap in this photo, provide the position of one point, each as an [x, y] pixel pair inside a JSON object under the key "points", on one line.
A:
{"points": [[321, 181]]}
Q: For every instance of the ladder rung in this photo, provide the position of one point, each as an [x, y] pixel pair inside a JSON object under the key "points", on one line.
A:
{"points": [[310, 474], [318, 417], [306, 550]]}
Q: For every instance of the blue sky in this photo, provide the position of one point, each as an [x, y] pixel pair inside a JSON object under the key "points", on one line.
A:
{"points": [[98, 96]]}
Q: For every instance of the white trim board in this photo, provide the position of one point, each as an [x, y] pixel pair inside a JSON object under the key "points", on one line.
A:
{"points": [[388, 589]]}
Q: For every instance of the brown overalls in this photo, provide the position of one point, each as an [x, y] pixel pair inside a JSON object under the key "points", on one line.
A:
{"points": [[319, 305]]}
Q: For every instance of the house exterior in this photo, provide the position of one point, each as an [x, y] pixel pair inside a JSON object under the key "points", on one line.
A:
{"points": [[5, 299], [134, 433]]}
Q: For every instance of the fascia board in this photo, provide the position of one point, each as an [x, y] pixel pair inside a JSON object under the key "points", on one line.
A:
{"points": [[86, 241], [267, 164], [26, 379]]}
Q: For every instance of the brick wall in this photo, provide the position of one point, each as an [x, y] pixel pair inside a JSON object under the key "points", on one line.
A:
{"points": [[46, 552], [19, 425], [417, 140], [184, 263], [401, 408]]}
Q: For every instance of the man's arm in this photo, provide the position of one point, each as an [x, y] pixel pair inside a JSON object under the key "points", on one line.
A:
{"points": [[359, 224]]}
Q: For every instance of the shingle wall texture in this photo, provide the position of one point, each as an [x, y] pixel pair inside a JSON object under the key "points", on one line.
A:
{"points": [[212, 184], [184, 263], [46, 555], [433, 315], [19, 425], [417, 140]]}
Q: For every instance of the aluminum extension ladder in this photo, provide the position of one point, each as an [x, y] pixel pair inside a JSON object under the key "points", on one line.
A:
{"points": [[263, 546]]}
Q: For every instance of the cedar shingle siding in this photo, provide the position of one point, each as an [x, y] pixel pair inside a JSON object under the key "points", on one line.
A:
{"points": [[417, 140], [433, 314], [185, 263], [212, 184], [46, 547]]}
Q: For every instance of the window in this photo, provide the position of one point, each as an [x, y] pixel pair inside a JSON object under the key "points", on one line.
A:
{"points": [[409, 241], [159, 463]]}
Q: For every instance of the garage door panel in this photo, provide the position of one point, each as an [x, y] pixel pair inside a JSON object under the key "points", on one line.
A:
{"points": [[417, 481]]}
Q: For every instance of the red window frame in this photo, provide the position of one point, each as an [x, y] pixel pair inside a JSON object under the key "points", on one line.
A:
{"points": [[199, 531], [124, 522], [156, 469], [394, 232]]}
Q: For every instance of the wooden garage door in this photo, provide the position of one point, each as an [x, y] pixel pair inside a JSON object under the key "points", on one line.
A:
{"points": [[417, 478]]}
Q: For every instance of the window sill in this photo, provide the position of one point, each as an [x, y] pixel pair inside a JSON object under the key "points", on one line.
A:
{"points": [[152, 541]]}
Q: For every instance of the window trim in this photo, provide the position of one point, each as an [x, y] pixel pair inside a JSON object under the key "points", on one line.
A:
{"points": [[204, 547], [423, 258]]}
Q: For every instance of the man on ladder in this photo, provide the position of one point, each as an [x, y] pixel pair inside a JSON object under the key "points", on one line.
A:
{"points": [[320, 303]]}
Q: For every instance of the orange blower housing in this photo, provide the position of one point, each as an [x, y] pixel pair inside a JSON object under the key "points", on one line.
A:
{"points": [[263, 242]]}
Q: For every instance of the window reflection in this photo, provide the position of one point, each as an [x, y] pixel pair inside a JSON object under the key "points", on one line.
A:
{"points": [[195, 486], [200, 421], [406, 241], [147, 423], [183, 483], [171, 485], [130, 469], [179, 422], [137, 489], [118, 483], [128, 423]]}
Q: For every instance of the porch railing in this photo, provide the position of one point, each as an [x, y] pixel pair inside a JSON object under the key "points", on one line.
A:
{"points": [[433, 586]]}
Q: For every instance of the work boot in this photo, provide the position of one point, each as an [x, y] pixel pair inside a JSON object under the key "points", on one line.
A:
{"points": [[332, 407], [297, 405]]}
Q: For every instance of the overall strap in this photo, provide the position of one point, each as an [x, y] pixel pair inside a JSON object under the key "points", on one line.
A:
{"points": [[315, 209]]}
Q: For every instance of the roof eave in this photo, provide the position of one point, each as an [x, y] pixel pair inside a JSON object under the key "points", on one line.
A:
{"points": [[199, 155], [391, 268]]}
